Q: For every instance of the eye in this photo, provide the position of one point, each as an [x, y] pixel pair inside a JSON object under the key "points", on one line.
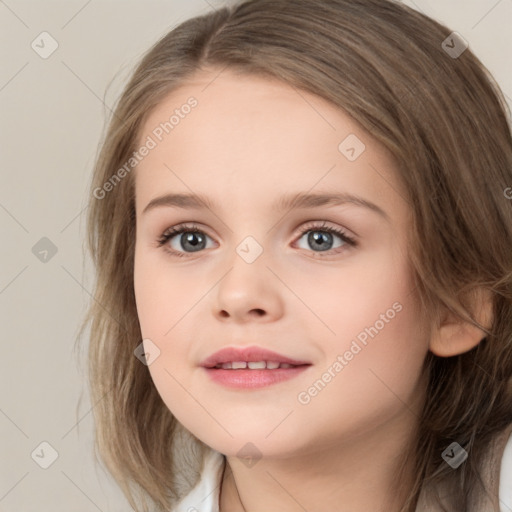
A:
{"points": [[321, 237], [193, 239]]}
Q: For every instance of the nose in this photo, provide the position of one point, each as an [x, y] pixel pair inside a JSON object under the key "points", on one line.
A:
{"points": [[248, 291]]}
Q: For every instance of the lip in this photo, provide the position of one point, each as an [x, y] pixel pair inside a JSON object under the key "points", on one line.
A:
{"points": [[249, 354], [249, 379]]}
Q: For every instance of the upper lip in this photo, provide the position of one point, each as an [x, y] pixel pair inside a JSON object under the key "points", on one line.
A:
{"points": [[248, 354]]}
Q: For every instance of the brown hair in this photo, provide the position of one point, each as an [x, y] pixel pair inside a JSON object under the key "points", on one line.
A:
{"points": [[443, 118]]}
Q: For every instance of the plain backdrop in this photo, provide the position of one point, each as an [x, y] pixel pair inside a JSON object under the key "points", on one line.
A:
{"points": [[52, 117]]}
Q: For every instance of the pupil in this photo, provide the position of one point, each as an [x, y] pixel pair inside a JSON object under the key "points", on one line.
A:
{"points": [[194, 239], [316, 238]]}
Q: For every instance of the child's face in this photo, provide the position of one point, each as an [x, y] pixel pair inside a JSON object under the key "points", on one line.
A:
{"points": [[350, 311]]}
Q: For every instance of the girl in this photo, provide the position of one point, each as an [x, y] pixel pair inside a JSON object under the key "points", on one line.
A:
{"points": [[301, 221]]}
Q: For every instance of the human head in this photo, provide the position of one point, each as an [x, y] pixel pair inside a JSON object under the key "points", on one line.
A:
{"points": [[419, 104]]}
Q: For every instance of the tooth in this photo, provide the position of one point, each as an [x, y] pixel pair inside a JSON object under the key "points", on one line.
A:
{"points": [[253, 365], [256, 365]]}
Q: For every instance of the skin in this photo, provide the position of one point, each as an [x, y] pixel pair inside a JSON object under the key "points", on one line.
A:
{"points": [[249, 141]]}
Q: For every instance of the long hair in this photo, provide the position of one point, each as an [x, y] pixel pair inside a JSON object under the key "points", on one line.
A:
{"points": [[443, 118]]}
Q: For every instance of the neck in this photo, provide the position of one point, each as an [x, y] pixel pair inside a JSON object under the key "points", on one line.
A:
{"points": [[356, 475]]}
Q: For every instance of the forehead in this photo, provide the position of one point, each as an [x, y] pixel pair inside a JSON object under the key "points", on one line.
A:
{"points": [[255, 135], [244, 102]]}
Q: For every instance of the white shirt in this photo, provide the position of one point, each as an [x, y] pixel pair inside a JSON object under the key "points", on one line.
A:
{"points": [[204, 497]]}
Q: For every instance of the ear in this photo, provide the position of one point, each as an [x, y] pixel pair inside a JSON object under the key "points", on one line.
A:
{"points": [[455, 336]]}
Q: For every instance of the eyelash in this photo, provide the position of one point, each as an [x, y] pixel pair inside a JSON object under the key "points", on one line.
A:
{"points": [[193, 228]]}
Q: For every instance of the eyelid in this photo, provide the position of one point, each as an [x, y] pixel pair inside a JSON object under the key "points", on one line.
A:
{"points": [[177, 229], [324, 225]]}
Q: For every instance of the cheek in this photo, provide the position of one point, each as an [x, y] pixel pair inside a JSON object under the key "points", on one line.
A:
{"points": [[383, 346], [374, 315], [162, 294], [351, 299], [168, 299], [364, 384]]}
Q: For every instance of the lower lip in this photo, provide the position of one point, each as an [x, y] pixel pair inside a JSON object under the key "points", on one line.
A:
{"points": [[240, 378]]}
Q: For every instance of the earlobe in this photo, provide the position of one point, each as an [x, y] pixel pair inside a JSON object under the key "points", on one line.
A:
{"points": [[455, 336]]}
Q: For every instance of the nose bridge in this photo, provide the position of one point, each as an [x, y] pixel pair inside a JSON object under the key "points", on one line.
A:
{"points": [[250, 250], [248, 286], [247, 266]]}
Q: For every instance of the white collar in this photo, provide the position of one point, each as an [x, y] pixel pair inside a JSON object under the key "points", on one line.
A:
{"points": [[204, 497]]}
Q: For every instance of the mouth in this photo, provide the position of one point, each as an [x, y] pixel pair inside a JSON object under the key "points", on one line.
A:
{"points": [[251, 367], [253, 357]]}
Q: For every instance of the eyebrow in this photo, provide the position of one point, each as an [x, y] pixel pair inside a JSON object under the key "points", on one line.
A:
{"points": [[298, 201]]}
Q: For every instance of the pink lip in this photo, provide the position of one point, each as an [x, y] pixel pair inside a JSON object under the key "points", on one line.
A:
{"points": [[245, 378], [249, 354], [253, 378]]}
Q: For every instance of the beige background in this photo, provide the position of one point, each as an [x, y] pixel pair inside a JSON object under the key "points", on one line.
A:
{"points": [[52, 115]]}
